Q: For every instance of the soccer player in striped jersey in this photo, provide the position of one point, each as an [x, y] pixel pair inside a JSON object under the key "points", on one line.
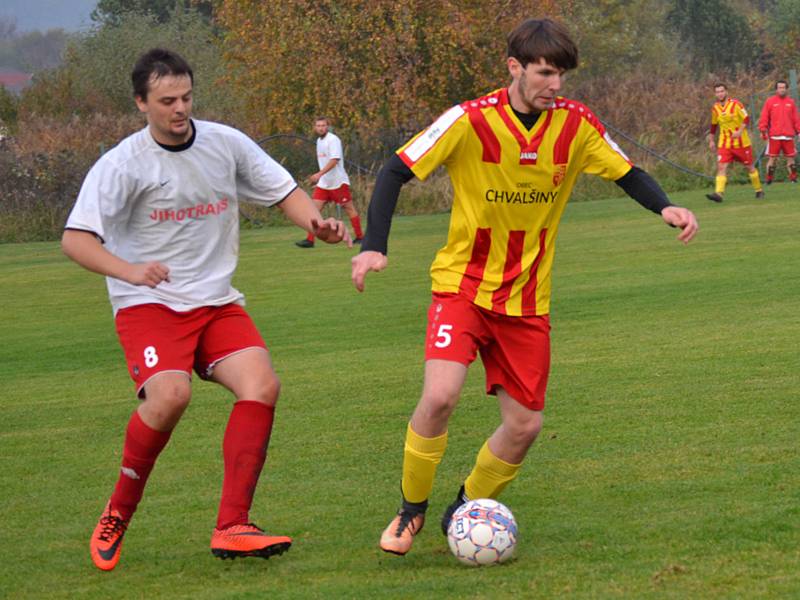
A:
{"points": [[730, 116], [513, 157]]}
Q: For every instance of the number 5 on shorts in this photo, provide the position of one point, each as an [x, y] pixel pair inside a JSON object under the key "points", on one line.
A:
{"points": [[443, 337]]}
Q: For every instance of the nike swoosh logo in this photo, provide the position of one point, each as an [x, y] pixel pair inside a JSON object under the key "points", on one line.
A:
{"points": [[163, 183], [110, 552]]}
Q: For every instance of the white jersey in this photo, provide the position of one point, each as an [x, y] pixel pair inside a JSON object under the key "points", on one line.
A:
{"points": [[178, 206], [329, 147]]}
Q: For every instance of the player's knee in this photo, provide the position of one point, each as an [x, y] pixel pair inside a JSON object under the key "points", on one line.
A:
{"points": [[440, 400], [166, 401], [266, 390], [525, 431]]}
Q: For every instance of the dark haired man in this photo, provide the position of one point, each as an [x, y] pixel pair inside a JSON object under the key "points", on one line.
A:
{"points": [[158, 216], [779, 124], [734, 144], [331, 183], [513, 156]]}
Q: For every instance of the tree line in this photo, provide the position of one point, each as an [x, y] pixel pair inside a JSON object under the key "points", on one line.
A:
{"points": [[384, 69]]}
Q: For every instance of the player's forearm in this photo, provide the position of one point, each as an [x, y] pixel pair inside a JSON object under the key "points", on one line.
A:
{"points": [[84, 248], [328, 166], [391, 179], [300, 209], [640, 186]]}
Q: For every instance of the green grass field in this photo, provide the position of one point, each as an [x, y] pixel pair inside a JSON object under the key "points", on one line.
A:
{"points": [[668, 466]]}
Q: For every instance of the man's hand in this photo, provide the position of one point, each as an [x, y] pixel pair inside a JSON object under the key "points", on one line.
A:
{"points": [[682, 218], [149, 274], [313, 179], [331, 231], [764, 135], [365, 262]]}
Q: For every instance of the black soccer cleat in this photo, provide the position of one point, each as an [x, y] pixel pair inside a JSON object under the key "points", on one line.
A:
{"points": [[304, 244], [447, 516], [715, 197]]}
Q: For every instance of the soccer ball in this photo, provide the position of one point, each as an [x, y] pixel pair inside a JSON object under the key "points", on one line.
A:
{"points": [[482, 532]]}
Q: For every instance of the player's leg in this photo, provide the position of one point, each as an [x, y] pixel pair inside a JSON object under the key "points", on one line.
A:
{"points": [[721, 180], [320, 199], [745, 156], [346, 200], [790, 151], [233, 355], [161, 370], [517, 364], [425, 444], [770, 164], [451, 346]]}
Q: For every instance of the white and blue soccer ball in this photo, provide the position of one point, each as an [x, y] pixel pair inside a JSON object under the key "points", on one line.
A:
{"points": [[482, 532]]}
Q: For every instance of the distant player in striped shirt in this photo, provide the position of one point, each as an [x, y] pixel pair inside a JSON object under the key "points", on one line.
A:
{"points": [[730, 117], [513, 157]]}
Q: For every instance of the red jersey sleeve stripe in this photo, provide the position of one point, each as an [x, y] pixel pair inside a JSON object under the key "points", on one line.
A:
{"points": [[511, 270], [473, 275], [529, 289], [489, 141]]}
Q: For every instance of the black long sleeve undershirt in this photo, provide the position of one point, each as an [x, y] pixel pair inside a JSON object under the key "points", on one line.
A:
{"points": [[392, 176], [638, 184]]}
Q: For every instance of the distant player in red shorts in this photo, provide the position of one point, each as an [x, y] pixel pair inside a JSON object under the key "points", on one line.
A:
{"points": [[331, 181], [513, 156], [158, 216], [730, 116], [779, 124]]}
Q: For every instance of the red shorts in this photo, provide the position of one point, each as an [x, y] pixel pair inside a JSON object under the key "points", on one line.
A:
{"points": [[515, 350], [340, 195], [156, 338], [777, 146], [729, 155]]}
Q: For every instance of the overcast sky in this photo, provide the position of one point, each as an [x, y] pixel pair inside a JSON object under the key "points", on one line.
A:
{"points": [[30, 15]]}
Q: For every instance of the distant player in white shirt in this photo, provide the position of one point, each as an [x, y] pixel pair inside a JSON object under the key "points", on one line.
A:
{"points": [[331, 181], [158, 216]]}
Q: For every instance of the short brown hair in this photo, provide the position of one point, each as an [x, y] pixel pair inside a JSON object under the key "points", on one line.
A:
{"points": [[720, 84], [534, 39], [154, 64]]}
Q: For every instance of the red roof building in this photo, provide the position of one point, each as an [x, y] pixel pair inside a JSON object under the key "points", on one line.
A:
{"points": [[14, 81]]}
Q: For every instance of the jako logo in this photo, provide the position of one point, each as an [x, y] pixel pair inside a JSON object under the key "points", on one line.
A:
{"points": [[528, 156]]}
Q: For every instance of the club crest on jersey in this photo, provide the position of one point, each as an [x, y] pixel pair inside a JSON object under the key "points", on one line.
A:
{"points": [[560, 173], [528, 158]]}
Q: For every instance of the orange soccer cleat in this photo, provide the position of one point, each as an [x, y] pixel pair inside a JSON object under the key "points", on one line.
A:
{"points": [[106, 542], [399, 535], [247, 540]]}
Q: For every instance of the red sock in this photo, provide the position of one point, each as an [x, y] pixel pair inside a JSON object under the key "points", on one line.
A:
{"points": [[356, 223], [142, 446], [310, 237], [244, 449]]}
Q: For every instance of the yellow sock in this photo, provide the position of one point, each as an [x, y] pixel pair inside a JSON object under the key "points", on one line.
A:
{"points": [[421, 456], [755, 180], [489, 476], [721, 181]]}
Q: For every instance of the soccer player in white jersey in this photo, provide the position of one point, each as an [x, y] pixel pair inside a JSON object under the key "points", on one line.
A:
{"points": [[331, 181], [158, 216]]}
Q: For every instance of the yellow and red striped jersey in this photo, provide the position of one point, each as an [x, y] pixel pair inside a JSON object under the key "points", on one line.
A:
{"points": [[510, 186], [730, 115]]}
